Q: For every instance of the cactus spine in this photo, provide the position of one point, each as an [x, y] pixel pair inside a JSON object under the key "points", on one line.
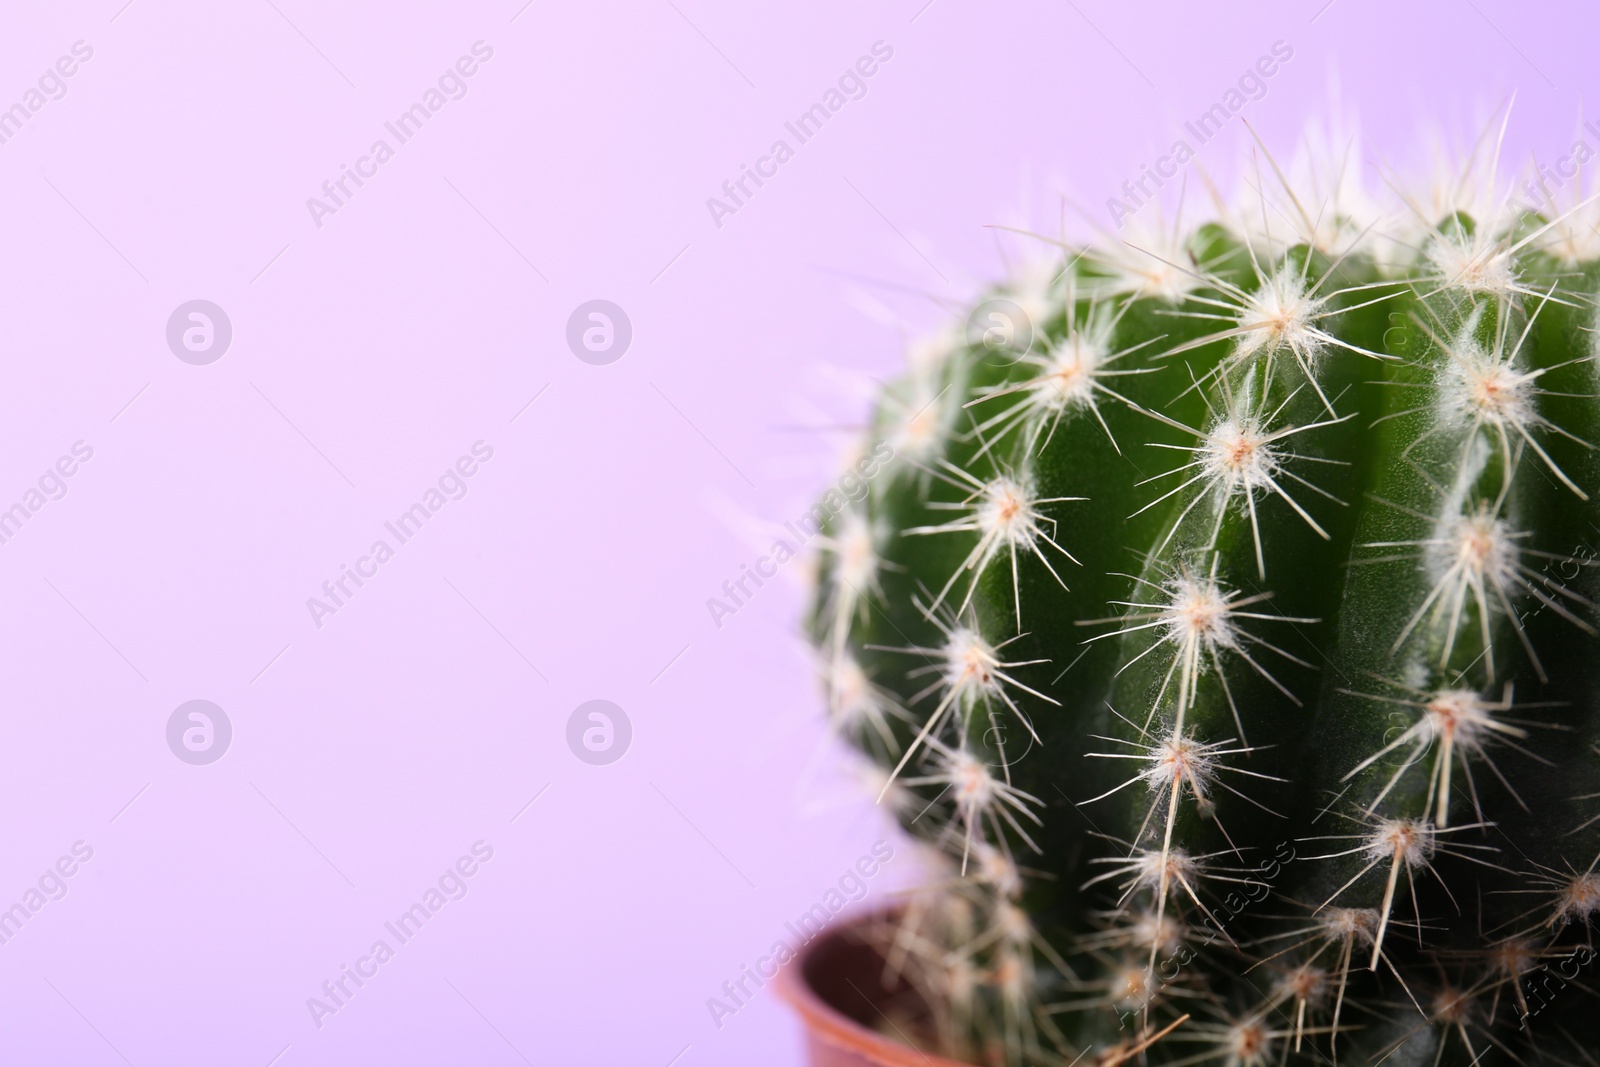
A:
{"points": [[1234, 647]]}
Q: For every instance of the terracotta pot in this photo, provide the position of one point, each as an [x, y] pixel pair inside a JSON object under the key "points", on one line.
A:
{"points": [[837, 985]]}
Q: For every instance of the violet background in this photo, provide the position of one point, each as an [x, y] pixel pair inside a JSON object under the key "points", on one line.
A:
{"points": [[374, 751]]}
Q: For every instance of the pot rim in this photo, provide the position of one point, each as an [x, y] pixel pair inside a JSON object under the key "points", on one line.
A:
{"points": [[826, 1023]]}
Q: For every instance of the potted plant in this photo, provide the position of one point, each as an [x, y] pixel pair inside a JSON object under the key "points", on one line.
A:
{"points": [[1224, 622]]}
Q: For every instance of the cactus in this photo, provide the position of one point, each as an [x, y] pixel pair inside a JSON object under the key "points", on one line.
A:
{"points": [[1233, 648]]}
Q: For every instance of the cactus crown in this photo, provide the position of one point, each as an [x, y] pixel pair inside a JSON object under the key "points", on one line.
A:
{"points": [[1233, 647]]}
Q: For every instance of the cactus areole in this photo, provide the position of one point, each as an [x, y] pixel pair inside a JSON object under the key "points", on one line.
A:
{"points": [[1233, 646]]}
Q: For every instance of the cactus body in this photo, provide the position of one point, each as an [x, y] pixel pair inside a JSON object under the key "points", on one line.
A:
{"points": [[1235, 648]]}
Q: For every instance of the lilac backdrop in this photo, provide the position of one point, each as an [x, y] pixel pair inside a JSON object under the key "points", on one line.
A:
{"points": [[372, 351]]}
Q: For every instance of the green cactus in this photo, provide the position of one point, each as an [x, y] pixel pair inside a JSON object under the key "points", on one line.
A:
{"points": [[1233, 648]]}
